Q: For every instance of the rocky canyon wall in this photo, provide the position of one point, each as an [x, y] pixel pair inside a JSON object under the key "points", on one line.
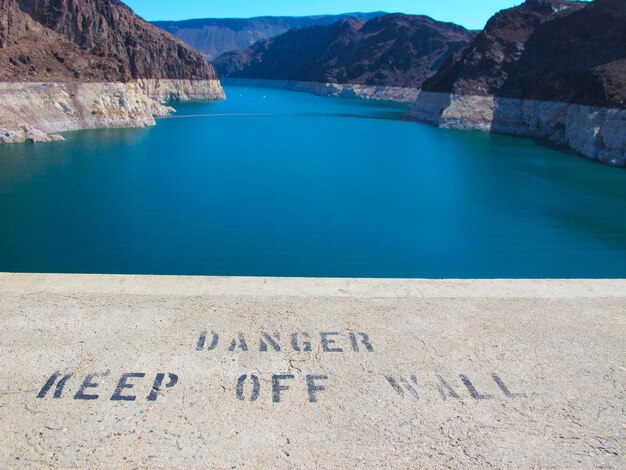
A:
{"points": [[36, 111], [90, 63], [596, 132], [346, 90], [550, 69]]}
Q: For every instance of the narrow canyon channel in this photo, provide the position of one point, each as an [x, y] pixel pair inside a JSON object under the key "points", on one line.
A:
{"points": [[281, 183]]}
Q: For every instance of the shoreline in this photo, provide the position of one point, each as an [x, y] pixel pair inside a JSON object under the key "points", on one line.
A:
{"points": [[37, 111], [368, 92], [596, 133]]}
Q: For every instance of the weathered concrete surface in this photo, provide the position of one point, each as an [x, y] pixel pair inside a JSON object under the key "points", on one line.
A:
{"points": [[534, 373]]}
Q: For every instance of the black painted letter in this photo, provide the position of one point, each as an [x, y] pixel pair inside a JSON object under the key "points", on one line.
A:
{"points": [[472, 390], [256, 387], [59, 388], [202, 341], [88, 383], [277, 387], [445, 390], [313, 388], [272, 340], [158, 384], [365, 340], [326, 342], [397, 386], [505, 389], [241, 345], [306, 344], [123, 384]]}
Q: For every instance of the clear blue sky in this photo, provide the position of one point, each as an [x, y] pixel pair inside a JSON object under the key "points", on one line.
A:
{"points": [[472, 14]]}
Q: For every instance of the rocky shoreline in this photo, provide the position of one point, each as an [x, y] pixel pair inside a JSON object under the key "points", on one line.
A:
{"points": [[369, 92], [37, 111], [597, 133], [90, 64], [548, 69]]}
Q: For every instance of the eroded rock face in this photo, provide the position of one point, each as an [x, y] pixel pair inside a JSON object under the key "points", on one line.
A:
{"points": [[580, 58], [90, 40], [553, 50], [595, 132], [391, 50], [552, 69], [72, 64], [110, 27], [33, 112]]}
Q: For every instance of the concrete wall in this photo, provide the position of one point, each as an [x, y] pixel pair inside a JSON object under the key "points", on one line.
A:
{"points": [[176, 372]]}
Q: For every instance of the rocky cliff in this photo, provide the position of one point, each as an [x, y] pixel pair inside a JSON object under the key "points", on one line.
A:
{"points": [[216, 36], [397, 50], [552, 69], [62, 45]]}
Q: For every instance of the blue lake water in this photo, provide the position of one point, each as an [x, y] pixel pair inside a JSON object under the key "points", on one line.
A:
{"points": [[280, 183]]}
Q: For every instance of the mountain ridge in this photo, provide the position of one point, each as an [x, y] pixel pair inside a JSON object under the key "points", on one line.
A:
{"points": [[90, 40], [76, 64], [556, 50], [550, 69], [216, 36], [393, 50]]}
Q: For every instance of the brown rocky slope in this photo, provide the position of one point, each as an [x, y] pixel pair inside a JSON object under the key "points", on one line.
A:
{"points": [[388, 51], [547, 50], [61, 51], [553, 69]]}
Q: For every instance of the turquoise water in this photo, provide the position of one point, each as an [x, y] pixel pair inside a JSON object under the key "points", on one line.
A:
{"points": [[281, 183]]}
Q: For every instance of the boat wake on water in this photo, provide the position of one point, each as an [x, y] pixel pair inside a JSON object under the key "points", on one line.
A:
{"points": [[393, 117]]}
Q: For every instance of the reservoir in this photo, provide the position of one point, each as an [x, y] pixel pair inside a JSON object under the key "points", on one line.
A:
{"points": [[279, 183]]}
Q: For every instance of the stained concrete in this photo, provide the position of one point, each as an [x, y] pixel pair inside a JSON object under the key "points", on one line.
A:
{"points": [[401, 374]]}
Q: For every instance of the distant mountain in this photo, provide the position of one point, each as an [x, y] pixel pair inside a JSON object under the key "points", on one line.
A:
{"points": [[213, 37], [555, 50], [392, 50]]}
